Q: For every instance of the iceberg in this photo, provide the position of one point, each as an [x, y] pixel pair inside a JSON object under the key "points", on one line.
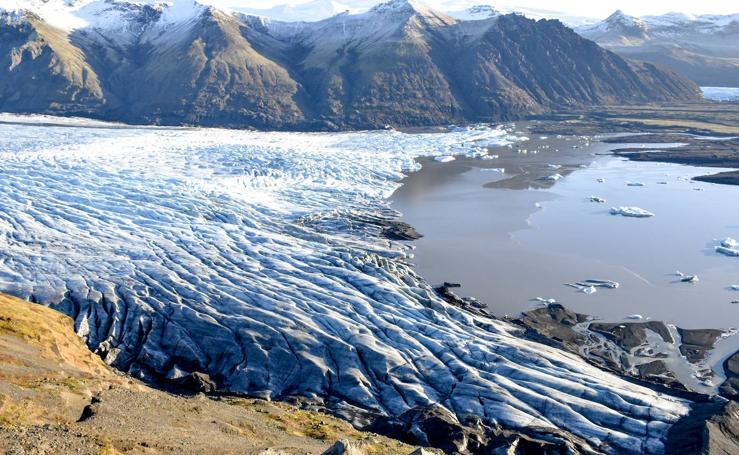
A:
{"points": [[601, 283], [444, 158], [597, 199], [690, 279], [635, 184], [634, 212], [735, 287], [728, 247], [552, 178], [727, 251]]}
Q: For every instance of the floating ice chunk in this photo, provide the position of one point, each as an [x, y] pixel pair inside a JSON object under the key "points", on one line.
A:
{"points": [[597, 199], [728, 251], [554, 166], [589, 290], [662, 183], [728, 247], [635, 184], [601, 180], [679, 273], [543, 300], [690, 279], [489, 157], [735, 287], [634, 212], [634, 317], [697, 189], [601, 284], [552, 178], [500, 170], [444, 158], [583, 287]]}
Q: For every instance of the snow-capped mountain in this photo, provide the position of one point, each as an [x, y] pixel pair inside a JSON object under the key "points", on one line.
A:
{"points": [[704, 47], [484, 11], [400, 63]]}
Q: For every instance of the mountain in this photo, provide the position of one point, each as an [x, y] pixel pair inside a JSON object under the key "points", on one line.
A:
{"points": [[704, 48], [400, 63]]}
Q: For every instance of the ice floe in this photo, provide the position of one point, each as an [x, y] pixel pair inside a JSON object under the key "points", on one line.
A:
{"points": [[728, 247], [258, 258], [634, 212], [597, 199], [444, 158]]}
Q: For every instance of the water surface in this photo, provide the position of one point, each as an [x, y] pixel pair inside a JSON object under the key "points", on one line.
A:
{"points": [[510, 237]]}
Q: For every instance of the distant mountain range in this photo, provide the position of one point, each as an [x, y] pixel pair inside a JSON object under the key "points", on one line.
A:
{"points": [[400, 63], [704, 48]]}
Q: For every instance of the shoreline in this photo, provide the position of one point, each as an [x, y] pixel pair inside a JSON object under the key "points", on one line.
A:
{"points": [[653, 374]]}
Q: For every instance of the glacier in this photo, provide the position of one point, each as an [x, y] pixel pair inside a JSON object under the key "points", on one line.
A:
{"points": [[258, 258]]}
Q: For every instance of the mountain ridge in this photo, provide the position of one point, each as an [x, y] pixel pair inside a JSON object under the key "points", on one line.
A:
{"points": [[705, 48], [401, 63]]}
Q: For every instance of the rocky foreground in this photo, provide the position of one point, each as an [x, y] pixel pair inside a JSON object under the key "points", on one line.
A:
{"points": [[57, 397]]}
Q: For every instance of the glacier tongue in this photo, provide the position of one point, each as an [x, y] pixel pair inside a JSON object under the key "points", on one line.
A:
{"points": [[249, 256]]}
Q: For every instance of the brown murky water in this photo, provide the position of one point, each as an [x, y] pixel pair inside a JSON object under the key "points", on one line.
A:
{"points": [[510, 237]]}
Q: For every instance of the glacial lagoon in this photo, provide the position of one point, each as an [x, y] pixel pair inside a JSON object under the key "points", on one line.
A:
{"points": [[509, 230]]}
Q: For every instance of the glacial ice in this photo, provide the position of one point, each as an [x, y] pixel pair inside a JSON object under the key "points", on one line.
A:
{"points": [[728, 247], [634, 212], [727, 251], [254, 257], [444, 158]]}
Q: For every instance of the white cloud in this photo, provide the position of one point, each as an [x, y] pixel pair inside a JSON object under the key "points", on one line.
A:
{"points": [[598, 9]]}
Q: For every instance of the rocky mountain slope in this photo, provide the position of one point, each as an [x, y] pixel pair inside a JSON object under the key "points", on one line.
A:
{"points": [[704, 48], [57, 397], [400, 63]]}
